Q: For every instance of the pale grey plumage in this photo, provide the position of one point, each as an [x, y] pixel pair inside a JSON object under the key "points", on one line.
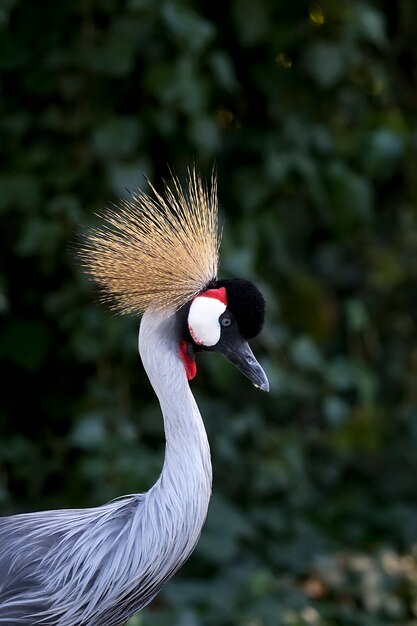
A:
{"points": [[96, 567]]}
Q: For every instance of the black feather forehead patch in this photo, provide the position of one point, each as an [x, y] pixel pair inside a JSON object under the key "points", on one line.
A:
{"points": [[246, 303]]}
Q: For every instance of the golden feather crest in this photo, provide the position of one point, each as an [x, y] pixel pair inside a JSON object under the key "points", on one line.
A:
{"points": [[156, 250]]}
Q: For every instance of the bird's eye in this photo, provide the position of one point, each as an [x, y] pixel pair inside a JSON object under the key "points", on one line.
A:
{"points": [[225, 322]]}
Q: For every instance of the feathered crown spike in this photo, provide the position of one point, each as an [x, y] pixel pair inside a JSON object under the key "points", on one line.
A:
{"points": [[156, 250]]}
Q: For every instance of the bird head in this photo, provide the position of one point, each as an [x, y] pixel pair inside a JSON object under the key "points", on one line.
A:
{"points": [[159, 251], [222, 319]]}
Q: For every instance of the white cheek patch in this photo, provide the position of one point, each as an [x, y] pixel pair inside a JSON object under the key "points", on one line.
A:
{"points": [[203, 320]]}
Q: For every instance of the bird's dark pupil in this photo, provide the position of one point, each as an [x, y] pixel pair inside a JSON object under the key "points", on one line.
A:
{"points": [[226, 321]]}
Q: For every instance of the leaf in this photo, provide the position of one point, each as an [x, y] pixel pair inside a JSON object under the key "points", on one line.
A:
{"points": [[189, 27], [371, 23], [128, 176], [383, 151], [336, 410], [326, 63], [116, 138], [89, 432], [306, 354]]}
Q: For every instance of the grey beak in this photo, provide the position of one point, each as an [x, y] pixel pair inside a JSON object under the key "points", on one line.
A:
{"points": [[243, 358]]}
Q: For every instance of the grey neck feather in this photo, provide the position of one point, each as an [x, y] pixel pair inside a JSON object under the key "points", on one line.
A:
{"points": [[184, 486]]}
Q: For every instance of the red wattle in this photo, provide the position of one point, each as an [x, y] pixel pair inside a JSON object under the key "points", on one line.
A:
{"points": [[189, 364]]}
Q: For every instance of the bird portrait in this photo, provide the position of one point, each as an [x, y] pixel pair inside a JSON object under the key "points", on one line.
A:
{"points": [[155, 255]]}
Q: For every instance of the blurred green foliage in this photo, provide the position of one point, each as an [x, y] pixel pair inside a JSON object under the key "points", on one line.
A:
{"points": [[308, 110]]}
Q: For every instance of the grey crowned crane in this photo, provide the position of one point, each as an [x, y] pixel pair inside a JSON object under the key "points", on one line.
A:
{"points": [[156, 254]]}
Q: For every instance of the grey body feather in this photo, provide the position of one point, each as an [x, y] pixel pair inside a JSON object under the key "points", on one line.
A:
{"points": [[98, 566]]}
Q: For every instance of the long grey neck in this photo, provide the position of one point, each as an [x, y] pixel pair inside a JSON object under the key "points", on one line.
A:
{"points": [[184, 486]]}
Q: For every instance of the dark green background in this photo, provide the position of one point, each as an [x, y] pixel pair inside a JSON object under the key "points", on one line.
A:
{"points": [[309, 112]]}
